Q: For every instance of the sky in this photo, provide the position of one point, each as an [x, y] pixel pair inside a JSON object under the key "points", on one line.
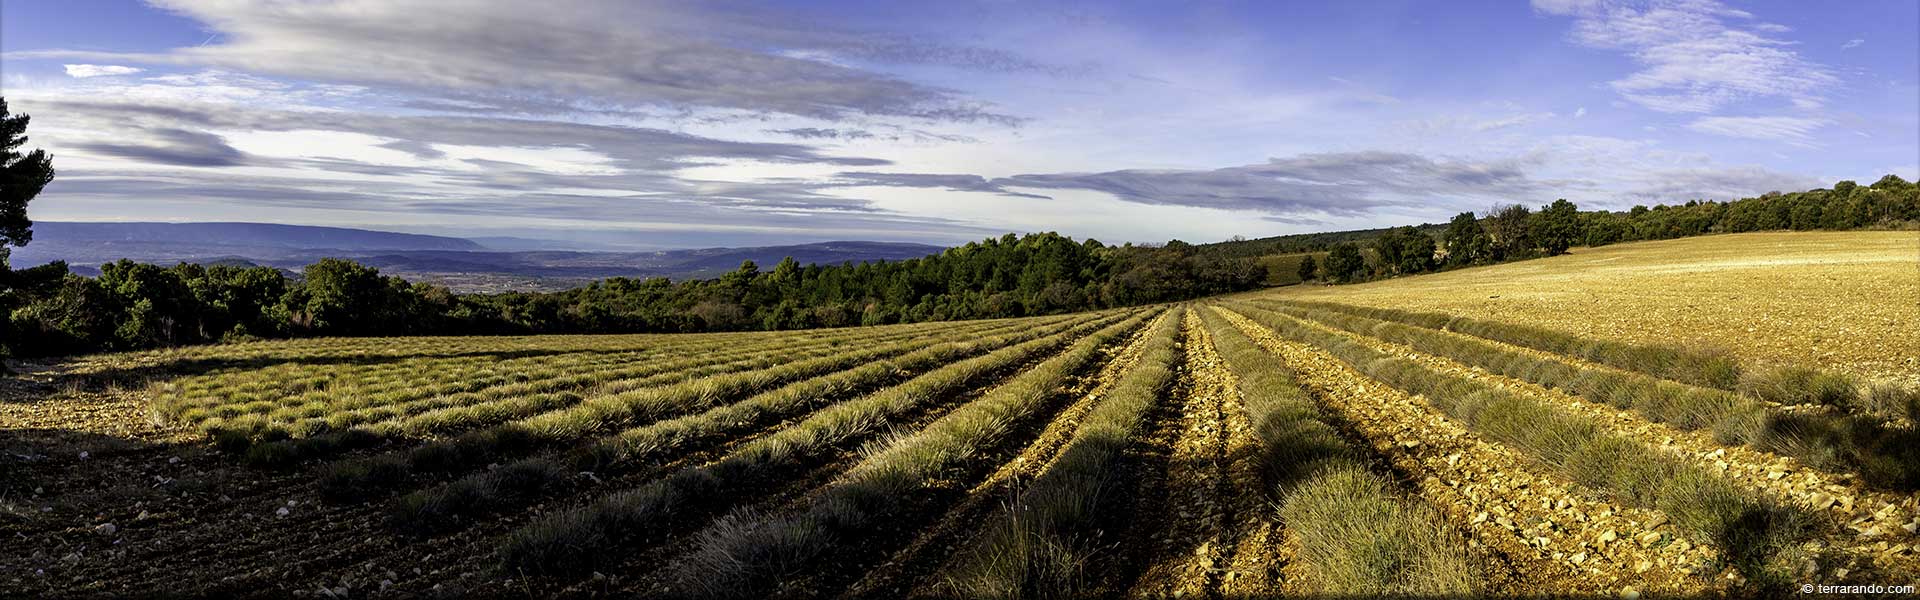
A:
{"points": [[714, 123]]}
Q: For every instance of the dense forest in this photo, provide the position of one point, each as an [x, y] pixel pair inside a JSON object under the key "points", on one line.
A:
{"points": [[135, 305], [1516, 232]]}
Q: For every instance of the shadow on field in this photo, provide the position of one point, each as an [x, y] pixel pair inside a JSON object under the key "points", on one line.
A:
{"points": [[32, 457]]}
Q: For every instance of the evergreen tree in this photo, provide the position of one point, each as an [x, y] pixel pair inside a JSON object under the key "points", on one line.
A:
{"points": [[22, 176]]}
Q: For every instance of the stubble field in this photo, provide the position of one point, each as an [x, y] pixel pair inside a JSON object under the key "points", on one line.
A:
{"points": [[1508, 431]]}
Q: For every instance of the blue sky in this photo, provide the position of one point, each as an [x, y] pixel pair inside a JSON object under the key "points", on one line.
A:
{"points": [[720, 123]]}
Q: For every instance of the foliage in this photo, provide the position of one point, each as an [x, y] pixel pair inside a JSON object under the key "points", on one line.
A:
{"points": [[1510, 231], [1466, 242], [22, 176], [1404, 250], [1516, 232], [1344, 263], [1557, 227]]}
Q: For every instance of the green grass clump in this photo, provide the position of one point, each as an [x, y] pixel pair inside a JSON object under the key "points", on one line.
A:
{"points": [[1357, 535], [579, 540], [501, 405], [1710, 368], [1747, 528], [1884, 456], [493, 490], [1893, 400], [745, 555], [1801, 385], [1037, 546], [592, 416]]}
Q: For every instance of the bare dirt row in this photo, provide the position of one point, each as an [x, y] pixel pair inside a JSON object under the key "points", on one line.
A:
{"points": [[1543, 534], [1870, 532]]}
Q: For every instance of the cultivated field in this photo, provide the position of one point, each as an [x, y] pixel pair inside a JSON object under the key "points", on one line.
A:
{"points": [[1842, 301], [1294, 442]]}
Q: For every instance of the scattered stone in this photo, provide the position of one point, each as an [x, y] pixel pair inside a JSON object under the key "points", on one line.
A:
{"points": [[1649, 538], [282, 511], [106, 529], [84, 454], [174, 460], [1629, 594], [1609, 536], [1820, 501]]}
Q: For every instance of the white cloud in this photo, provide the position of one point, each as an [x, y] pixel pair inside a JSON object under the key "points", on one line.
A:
{"points": [[1758, 128], [1455, 125], [1695, 56], [586, 55], [1581, 112], [1853, 43], [85, 71]]}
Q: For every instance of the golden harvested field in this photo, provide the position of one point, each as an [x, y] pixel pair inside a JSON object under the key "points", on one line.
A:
{"points": [[1272, 444], [1845, 301]]}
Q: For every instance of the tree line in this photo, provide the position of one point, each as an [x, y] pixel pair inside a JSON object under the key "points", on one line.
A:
{"points": [[136, 305], [1516, 232]]}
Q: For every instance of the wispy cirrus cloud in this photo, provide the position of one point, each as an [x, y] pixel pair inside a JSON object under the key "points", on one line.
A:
{"points": [[1759, 128], [1695, 56]]}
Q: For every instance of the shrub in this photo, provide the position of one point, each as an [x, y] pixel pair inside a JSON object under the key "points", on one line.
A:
{"points": [[1801, 385], [1360, 539]]}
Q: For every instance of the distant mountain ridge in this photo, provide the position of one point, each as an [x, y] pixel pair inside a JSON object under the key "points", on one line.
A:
{"points": [[461, 264]]}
